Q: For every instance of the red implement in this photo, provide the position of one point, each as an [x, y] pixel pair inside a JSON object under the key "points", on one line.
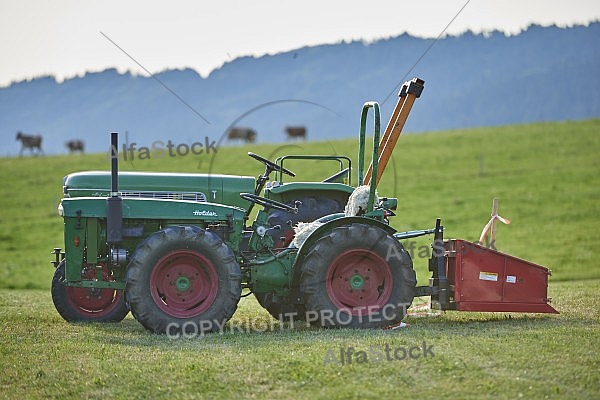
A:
{"points": [[483, 279]]}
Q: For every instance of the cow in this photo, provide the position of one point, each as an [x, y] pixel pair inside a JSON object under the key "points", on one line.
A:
{"points": [[246, 134], [75, 145], [294, 132], [30, 142]]}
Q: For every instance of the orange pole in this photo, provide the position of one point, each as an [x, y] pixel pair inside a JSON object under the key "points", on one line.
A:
{"points": [[386, 136], [395, 134], [392, 133], [411, 90]]}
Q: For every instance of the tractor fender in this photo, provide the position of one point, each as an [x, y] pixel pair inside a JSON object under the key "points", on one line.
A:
{"points": [[329, 225]]}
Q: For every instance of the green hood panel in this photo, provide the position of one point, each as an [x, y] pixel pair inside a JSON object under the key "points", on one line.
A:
{"points": [[220, 189], [95, 207]]}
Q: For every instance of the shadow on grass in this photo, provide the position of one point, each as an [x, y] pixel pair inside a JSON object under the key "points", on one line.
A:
{"points": [[130, 333]]}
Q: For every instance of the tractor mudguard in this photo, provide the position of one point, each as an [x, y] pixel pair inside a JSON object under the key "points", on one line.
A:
{"points": [[339, 220]]}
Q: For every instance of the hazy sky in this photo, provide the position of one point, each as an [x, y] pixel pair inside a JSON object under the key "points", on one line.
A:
{"points": [[63, 37]]}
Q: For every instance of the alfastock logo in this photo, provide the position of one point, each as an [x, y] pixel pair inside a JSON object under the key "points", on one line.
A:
{"points": [[376, 354], [158, 149]]}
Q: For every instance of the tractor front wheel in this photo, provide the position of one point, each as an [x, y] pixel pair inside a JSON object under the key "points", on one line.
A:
{"points": [[183, 279], [357, 276], [77, 304]]}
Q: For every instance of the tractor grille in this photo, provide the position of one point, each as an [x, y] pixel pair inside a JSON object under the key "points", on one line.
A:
{"points": [[189, 196], [145, 194]]}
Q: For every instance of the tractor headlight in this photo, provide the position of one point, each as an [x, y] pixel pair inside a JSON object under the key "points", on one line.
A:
{"points": [[61, 211]]}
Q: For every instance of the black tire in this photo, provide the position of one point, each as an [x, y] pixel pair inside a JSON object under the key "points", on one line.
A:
{"points": [[281, 310], [357, 276], [84, 304], [183, 279], [312, 208]]}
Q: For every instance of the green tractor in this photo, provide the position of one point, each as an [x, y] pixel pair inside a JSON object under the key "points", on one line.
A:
{"points": [[177, 250]]}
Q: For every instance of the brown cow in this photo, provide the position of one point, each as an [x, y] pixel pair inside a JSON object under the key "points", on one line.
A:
{"points": [[246, 134], [30, 142], [75, 145], [295, 132]]}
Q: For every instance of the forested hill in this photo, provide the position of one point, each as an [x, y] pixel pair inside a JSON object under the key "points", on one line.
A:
{"points": [[543, 73]]}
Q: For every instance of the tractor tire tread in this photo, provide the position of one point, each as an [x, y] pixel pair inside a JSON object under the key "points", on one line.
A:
{"points": [[71, 314], [149, 251], [326, 249]]}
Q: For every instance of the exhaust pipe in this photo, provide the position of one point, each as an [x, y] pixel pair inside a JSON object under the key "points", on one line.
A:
{"points": [[114, 204]]}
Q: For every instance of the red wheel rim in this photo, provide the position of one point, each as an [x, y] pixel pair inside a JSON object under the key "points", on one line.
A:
{"points": [[184, 284], [94, 302], [359, 280]]}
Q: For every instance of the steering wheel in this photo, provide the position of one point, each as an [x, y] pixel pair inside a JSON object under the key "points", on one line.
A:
{"points": [[263, 201], [271, 165]]}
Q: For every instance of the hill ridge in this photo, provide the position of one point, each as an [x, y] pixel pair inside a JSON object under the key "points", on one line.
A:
{"points": [[471, 80]]}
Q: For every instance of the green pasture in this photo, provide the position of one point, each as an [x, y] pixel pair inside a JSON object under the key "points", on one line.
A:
{"points": [[546, 177], [475, 355]]}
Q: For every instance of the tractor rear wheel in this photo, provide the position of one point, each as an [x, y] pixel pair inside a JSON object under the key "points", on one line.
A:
{"points": [[183, 279], [357, 276], [77, 304]]}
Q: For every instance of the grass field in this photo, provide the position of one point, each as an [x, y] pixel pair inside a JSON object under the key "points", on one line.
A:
{"points": [[474, 356], [547, 179]]}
